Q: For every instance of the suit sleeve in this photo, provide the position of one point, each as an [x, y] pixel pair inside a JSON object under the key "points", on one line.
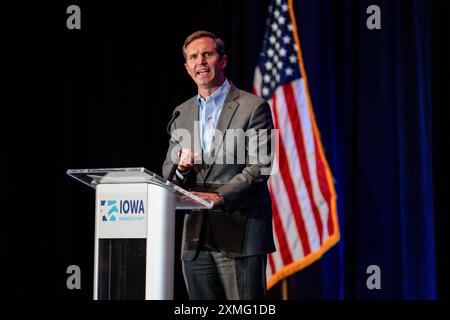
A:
{"points": [[256, 170]]}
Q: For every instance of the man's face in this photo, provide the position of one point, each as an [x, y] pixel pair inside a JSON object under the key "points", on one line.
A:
{"points": [[204, 64]]}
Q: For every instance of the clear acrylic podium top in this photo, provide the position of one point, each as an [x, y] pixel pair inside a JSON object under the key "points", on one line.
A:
{"points": [[93, 177]]}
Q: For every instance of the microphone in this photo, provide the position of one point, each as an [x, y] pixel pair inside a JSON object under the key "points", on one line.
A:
{"points": [[175, 115]]}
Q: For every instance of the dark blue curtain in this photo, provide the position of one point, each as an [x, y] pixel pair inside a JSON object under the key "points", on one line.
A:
{"points": [[371, 91]]}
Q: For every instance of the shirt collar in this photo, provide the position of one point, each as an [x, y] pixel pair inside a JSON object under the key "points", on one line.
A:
{"points": [[218, 96]]}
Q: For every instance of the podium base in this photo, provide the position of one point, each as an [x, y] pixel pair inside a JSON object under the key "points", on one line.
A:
{"points": [[121, 269]]}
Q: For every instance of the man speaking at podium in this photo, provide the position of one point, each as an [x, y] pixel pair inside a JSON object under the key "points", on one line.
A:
{"points": [[224, 250]]}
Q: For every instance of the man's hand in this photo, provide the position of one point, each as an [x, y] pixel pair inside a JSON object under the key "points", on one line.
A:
{"points": [[187, 158], [216, 198]]}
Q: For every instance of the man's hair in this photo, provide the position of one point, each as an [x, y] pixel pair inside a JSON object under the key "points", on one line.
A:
{"points": [[220, 45]]}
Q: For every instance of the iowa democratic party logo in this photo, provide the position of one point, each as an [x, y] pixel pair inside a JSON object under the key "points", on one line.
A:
{"points": [[123, 210], [108, 210]]}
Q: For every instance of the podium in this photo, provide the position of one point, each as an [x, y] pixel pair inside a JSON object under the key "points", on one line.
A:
{"points": [[134, 231]]}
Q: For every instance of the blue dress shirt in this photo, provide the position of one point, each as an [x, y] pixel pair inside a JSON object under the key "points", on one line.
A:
{"points": [[209, 112]]}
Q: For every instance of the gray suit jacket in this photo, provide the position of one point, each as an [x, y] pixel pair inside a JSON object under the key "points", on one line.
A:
{"points": [[243, 225]]}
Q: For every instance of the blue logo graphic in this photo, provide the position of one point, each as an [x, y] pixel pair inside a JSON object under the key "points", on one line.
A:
{"points": [[108, 210], [112, 210]]}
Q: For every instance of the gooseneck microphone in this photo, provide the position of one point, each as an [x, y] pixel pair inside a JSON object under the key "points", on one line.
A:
{"points": [[175, 115]]}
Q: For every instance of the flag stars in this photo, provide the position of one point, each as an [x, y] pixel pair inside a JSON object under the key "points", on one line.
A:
{"points": [[279, 61], [289, 72], [292, 59]]}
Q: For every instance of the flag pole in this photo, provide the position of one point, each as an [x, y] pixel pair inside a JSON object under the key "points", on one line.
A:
{"points": [[284, 289]]}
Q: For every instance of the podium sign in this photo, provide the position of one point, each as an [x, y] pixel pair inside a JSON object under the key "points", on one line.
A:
{"points": [[134, 231], [121, 211]]}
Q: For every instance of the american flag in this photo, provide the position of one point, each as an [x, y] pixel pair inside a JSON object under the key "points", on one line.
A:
{"points": [[303, 197]]}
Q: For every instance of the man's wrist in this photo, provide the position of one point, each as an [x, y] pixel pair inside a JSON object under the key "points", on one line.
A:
{"points": [[182, 174]]}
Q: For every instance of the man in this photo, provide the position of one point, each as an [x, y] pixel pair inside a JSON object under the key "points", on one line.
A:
{"points": [[224, 250]]}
